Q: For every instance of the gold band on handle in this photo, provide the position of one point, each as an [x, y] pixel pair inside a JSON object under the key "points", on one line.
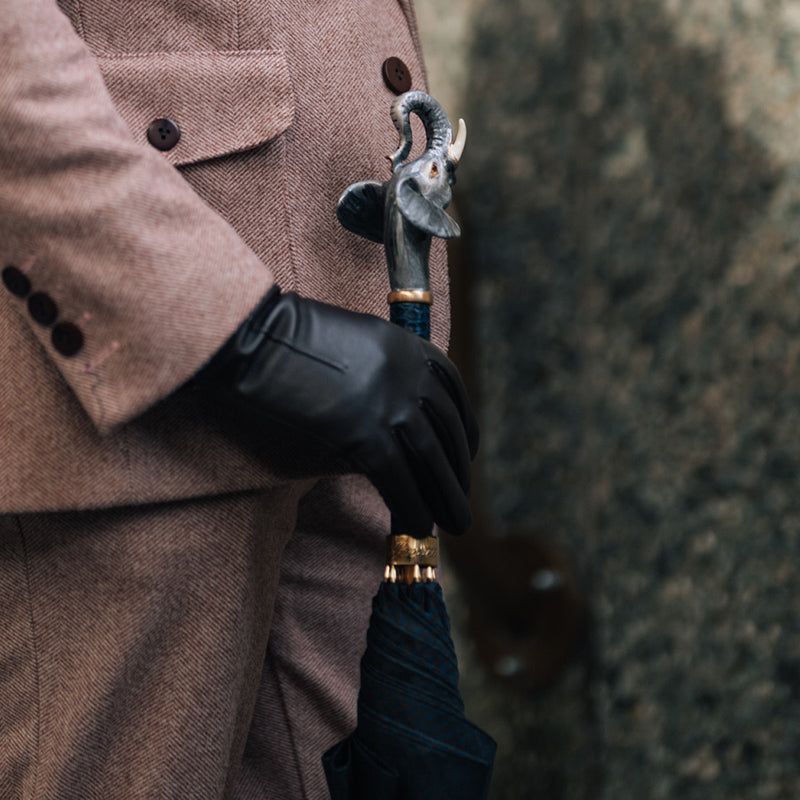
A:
{"points": [[411, 296], [410, 560], [403, 550]]}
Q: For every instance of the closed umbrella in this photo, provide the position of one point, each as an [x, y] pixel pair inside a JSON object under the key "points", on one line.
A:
{"points": [[412, 739]]}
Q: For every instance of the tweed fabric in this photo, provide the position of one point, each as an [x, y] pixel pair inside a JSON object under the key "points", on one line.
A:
{"points": [[134, 654], [309, 687], [139, 634], [281, 107]]}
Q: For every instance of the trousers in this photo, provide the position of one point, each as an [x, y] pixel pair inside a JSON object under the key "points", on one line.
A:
{"points": [[203, 648]]}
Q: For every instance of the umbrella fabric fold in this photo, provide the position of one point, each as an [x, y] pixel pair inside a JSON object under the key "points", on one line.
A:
{"points": [[412, 739]]}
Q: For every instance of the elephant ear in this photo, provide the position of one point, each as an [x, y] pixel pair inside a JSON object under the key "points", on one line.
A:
{"points": [[360, 209], [424, 214]]}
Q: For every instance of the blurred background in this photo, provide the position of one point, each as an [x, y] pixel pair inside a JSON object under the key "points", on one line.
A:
{"points": [[627, 296]]}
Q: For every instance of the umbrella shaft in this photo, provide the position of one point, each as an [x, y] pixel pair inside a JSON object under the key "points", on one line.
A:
{"points": [[414, 316]]}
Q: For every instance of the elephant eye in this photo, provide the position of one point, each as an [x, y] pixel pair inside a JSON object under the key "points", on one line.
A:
{"points": [[434, 170]]}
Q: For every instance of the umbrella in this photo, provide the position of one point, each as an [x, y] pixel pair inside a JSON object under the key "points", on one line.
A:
{"points": [[412, 738]]}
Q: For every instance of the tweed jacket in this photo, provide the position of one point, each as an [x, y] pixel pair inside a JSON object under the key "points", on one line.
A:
{"points": [[147, 260]]}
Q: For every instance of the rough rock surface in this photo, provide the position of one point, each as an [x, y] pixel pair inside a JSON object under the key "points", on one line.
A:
{"points": [[631, 199]]}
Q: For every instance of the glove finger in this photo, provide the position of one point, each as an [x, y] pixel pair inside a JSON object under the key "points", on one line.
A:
{"points": [[435, 477], [384, 463], [450, 378], [446, 423]]}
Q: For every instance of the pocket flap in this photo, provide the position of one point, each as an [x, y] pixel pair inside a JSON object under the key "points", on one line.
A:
{"points": [[223, 102]]}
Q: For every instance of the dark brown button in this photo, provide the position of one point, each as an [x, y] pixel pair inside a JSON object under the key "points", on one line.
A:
{"points": [[163, 133], [397, 75], [67, 338], [42, 308], [16, 281]]}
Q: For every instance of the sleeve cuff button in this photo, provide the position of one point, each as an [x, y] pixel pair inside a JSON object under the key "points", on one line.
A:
{"points": [[16, 281], [67, 339], [42, 308]]}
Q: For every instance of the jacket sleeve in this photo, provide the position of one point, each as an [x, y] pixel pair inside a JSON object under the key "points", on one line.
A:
{"points": [[128, 279]]}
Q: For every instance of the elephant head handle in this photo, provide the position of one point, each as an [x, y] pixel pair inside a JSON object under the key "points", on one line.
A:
{"points": [[407, 211]]}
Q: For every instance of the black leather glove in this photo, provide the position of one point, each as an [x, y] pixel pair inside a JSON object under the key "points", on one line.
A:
{"points": [[320, 390]]}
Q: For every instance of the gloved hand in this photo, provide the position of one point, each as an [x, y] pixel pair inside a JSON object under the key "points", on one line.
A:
{"points": [[320, 390]]}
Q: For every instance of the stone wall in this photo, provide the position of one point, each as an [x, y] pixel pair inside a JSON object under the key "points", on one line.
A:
{"points": [[631, 201]]}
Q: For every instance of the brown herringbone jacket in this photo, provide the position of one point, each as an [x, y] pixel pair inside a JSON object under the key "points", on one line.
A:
{"points": [[155, 257]]}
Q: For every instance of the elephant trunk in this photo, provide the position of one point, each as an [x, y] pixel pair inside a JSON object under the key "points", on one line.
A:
{"points": [[438, 130]]}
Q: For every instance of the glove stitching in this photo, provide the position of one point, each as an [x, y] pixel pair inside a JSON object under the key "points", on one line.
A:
{"points": [[328, 362]]}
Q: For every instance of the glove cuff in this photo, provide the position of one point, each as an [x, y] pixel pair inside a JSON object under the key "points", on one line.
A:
{"points": [[242, 342]]}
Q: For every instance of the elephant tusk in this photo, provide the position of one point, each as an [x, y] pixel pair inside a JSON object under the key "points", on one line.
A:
{"points": [[457, 147]]}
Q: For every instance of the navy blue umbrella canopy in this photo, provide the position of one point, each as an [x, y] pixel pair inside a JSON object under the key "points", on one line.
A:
{"points": [[412, 739]]}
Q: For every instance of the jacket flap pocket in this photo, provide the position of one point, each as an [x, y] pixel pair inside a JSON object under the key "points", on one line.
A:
{"points": [[222, 102]]}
